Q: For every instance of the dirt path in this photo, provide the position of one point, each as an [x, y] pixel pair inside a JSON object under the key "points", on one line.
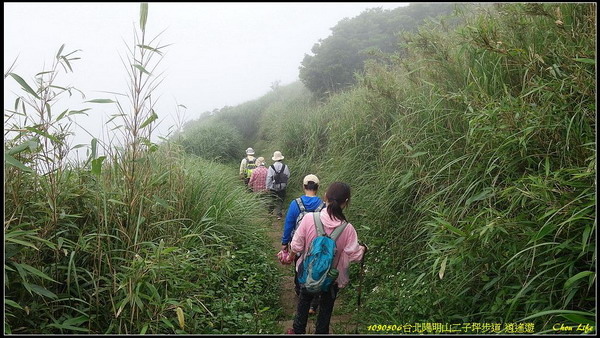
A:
{"points": [[340, 323]]}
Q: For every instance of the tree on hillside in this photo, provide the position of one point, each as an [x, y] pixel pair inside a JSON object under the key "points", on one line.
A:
{"points": [[343, 53]]}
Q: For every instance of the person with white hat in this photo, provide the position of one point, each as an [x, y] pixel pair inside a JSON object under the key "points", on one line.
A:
{"points": [[277, 178], [247, 166], [309, 202], [258, 179]]}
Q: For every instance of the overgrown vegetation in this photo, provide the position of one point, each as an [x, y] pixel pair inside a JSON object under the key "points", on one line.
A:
{"points": [[139, 239], [338, 57], [472, 157], [470, 150]]}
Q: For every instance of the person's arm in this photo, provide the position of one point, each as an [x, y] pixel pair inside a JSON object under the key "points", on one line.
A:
{"points": [[269, 183], [287, 172], [290, 224], [353, 249], [243, 167], [298, 243]]}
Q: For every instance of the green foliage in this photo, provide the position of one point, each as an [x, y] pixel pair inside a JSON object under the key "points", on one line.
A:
{"points": [[471, 154], [140, 240], [337, 58], [216, 141]]}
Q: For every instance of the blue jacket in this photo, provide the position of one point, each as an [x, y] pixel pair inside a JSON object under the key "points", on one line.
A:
{"points": [[310, 204]]}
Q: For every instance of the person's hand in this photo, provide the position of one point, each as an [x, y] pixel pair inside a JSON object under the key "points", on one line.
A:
{"points": [[284, 247], [290, 257]]}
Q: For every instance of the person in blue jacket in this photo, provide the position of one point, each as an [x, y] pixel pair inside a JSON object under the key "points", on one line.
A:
{"points": [[302, 205]]}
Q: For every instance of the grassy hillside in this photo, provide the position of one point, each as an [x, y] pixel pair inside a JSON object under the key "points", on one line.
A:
{"points": [[472, 162]]}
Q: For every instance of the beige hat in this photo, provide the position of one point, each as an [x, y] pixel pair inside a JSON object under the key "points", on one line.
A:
{"points": [[250, 151], [309, 178], [260, 161], [277, 156]]}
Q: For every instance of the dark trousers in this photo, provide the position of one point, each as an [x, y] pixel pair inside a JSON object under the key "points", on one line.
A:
{"points": [[325, 310], [277, 206]]}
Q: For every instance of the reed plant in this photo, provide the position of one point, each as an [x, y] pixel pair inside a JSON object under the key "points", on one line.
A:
{"points": [[139, 239]]}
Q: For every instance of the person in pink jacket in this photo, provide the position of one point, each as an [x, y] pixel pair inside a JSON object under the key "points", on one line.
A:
{"points": [[348, 250]]}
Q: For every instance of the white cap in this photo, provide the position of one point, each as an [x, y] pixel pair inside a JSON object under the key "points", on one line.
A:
{"points": [[250, 151], [309, 178]]}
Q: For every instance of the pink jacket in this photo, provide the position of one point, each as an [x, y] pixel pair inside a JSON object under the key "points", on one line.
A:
{"points": [[347, 248]]}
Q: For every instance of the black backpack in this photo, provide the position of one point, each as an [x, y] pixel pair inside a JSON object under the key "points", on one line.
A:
{"points": [[279, 177], [250, 166]]}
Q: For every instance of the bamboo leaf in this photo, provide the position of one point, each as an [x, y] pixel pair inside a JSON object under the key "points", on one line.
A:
{"points": [[101, 101], [577, 277], [151, 119], [556, 312], [40, 290], [36, 272], [18, 241], [67, 62], [142, 69], [43, 133], [97, 165], [143, 15], [168, 323], [585, 60], [575, 318], [450, 227], [60, 51], [12, 303], [486, 193], [30, 144], [24, 85], [15, 163], [150, 49], [585, 236]]}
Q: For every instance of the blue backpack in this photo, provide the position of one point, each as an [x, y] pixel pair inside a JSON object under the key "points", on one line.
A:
{"points": [[317, 273]]}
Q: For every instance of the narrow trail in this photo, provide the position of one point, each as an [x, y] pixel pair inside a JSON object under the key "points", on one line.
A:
{"points": [[340, 323]]}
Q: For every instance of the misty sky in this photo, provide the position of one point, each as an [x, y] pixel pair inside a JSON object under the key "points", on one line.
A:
{"points": [[222, 54]]}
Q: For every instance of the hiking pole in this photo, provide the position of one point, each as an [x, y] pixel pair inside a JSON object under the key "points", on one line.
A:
{"points": [[361, 275]]}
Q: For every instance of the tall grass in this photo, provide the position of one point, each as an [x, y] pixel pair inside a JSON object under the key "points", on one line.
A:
{"points": [[472, 162], [142, 239]]}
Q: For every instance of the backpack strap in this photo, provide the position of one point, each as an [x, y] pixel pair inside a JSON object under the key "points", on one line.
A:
{"points": [[300, 205], [318, 224], [321, 230], [338, 231], [320, 207]]}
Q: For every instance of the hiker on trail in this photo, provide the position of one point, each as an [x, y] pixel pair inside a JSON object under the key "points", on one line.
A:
{"points": [[247, 166], [277, 178], [347, 250], [309, 202], [258, 180]]}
